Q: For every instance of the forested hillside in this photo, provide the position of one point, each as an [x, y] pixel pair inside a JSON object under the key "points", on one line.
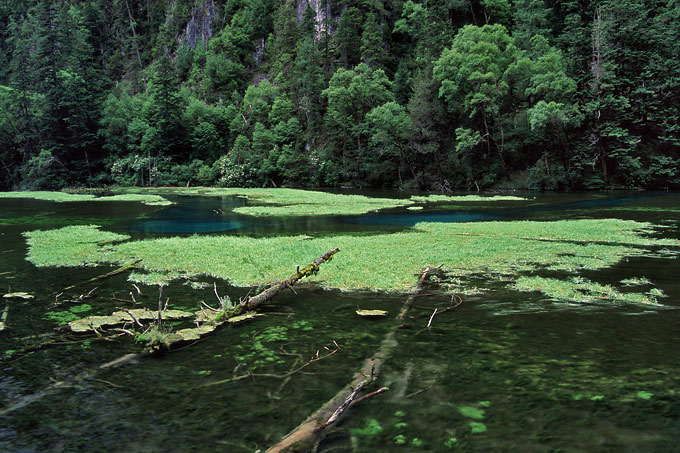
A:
{"points": [[429, 94]]}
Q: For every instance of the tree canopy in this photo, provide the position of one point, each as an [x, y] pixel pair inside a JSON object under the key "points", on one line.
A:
{"points": [[419, 94]]}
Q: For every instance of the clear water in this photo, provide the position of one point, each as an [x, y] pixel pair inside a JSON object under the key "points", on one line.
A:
{"points": [[547, 376]]}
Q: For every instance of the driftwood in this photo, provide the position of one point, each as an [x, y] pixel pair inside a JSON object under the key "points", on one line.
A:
{"points": [[306, 434]]}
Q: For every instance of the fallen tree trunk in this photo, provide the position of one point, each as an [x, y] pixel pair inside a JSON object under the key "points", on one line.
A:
{"points": [[309, 270], [212, 319], [307, 433]]}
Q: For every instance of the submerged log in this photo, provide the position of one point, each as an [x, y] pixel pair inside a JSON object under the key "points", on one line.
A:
{"points": [[123, 268], [306, 434]]}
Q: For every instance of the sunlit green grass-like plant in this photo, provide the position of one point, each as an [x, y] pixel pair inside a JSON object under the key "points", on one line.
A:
{"points": [[465, 198], [579, 290], [385, 262], [70, 246], [64, 197], [290, 202]]}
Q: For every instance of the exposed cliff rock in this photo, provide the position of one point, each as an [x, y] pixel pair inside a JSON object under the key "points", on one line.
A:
{"points": [[201, 26], [322, 12]]}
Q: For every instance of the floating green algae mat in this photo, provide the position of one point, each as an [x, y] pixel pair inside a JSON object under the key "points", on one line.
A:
{"points": [[381, 262], [63, 197]]}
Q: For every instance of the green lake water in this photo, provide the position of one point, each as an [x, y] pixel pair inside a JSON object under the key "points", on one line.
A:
{"points": [[504, 371]]}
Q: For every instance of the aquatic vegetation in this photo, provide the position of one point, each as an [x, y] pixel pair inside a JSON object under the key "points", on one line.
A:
{"points": [[254, 353], [656, 292], [59, 197], [294, 202], [465, 198], [484, 404], [371, 428], [635, 281], [75, 245], [644, 395], [154, 278], [197, 285], [477, 427], [290, 202], [471, 412], [147, 199], [415, 208], [388, 261], [303, 325], [67, 316], [450, 442], [65, 197], [399, 439], [578, 290], [416, 442]]}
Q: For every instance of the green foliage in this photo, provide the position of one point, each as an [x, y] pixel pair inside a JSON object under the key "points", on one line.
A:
{"points": [[569, 95]]}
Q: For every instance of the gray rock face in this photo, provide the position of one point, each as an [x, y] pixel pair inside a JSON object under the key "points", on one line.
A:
{"points": [[201, 26], [321, 11]]}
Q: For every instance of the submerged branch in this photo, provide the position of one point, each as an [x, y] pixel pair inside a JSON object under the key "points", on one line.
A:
{"points": [[124, 268], [307, 432]]}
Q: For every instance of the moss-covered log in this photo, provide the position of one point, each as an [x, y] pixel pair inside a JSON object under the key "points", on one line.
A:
{"points": [[253, 302], [213, 319]]}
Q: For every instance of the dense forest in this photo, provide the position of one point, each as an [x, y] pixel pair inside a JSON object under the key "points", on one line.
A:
{"points": [[414, 94]]}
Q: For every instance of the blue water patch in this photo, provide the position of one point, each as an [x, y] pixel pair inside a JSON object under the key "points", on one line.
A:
{"points": [[182, 226], [410, 219]]}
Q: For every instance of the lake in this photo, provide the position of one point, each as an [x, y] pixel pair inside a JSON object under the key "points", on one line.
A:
{"points": [[504, 371]]}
